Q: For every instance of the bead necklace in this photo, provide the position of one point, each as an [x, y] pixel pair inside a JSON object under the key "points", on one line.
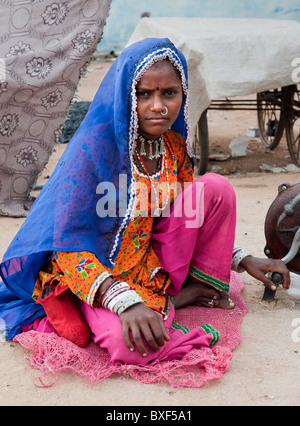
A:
{"points": [[158, 210], [159, 147]]}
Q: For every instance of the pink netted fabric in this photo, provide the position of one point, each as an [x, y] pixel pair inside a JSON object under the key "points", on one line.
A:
{"points": [[53, 354]]}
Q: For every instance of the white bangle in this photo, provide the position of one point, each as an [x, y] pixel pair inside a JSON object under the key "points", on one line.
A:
{"points": [[115, 289], [120, 297], [238, 256], [123, 301]]}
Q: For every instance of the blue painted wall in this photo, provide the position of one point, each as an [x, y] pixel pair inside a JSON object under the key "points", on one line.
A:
{"points": [[125, 14]]}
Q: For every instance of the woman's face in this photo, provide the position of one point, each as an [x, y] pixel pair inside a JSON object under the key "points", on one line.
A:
{"points": [[158, 88]]}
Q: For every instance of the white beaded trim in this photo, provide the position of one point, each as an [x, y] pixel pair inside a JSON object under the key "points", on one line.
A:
{"points": [[97, 283], [148, 61], [151, 59], [154, 176], [155, 272]]}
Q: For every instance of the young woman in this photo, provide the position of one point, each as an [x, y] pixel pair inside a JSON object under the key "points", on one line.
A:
{"points": [[121, 235]]}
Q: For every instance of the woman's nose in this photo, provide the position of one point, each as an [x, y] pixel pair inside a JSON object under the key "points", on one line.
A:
{"points": [[157, 104]]}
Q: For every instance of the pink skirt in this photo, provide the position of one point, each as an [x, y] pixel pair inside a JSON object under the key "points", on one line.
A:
{"points": [[196, 238], [199, 241]]}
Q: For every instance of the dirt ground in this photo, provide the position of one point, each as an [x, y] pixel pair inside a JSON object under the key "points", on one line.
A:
{"points": [[265, 366], [224, 126]]}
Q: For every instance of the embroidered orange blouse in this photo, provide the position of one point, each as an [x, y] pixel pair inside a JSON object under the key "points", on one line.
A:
{"points": [[136, 262]]}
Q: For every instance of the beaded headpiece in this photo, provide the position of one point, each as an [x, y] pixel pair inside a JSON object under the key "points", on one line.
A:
{"points": [[164, 50]]}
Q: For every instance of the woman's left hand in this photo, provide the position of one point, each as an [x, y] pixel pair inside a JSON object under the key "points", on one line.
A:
{"points": [[258, 268], [143, 322]]}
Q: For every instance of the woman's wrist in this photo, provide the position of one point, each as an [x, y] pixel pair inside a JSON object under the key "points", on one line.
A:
{"points": [[244, 262], [116, 296], [106, 283], [239, 254]]}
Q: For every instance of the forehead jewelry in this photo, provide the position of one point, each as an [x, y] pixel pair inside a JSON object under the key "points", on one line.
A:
{"points": [[165, 111], [159, 147]]}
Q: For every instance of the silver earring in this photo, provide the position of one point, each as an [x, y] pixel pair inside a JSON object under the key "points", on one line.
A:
{"points": [[166, 111]]}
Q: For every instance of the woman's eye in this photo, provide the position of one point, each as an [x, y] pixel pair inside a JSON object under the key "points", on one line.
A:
{"points": [[171, 92], [142, 93]]}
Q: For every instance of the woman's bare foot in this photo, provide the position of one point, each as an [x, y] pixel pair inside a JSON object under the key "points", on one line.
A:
{"points": [[197, 293], [224, 302]]}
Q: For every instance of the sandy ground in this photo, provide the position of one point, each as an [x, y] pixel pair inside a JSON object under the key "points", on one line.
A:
{"points": [[265, 366]]}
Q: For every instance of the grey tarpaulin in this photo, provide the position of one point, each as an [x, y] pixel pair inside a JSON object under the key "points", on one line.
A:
{"points": [[229, 57], [45, 46]]}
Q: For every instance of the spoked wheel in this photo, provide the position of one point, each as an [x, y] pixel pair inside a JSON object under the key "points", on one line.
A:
{"points": [[270, 117], [201, 145], [292, 123]]}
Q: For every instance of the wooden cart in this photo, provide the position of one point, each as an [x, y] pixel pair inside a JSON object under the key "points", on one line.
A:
{"points": [[230, 58], [278, 110]]}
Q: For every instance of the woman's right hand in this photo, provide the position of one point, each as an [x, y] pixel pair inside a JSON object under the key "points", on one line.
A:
{"points": [[142, 321], [259, 268]]}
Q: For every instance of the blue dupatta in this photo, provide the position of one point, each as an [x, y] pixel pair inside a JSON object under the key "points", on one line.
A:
{"points": [[65, 217]]}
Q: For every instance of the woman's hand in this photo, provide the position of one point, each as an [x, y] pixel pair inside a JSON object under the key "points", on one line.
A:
{"points": [[258, 268], [142, 321]]}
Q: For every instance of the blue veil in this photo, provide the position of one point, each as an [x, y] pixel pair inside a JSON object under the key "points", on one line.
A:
{"points": [[65, 216]]}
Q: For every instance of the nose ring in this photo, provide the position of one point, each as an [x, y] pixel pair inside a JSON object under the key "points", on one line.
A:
{"points": [[165, 111]]}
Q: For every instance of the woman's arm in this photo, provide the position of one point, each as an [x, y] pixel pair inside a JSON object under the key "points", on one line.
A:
{"points": [[139, 321], [259, 268], [83, 273]]}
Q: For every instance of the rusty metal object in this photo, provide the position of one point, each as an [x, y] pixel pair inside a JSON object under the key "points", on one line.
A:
{"points": [[282, 223], [282, 231]]}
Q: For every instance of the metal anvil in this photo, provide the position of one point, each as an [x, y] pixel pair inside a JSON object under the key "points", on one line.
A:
{"points": [[282, 231]]}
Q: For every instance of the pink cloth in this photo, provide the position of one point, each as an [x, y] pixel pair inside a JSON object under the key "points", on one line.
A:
{"points": [[107, 333], [52, 354], [204, 251], [199, 234], [42, 325], [107, 330]]}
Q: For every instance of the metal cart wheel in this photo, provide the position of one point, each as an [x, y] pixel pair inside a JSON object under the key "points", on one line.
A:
{"points": [[292, 123], [270, 117], [201, 145]]}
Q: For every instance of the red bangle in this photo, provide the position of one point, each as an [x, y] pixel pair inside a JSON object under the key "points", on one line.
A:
{"points": [[102, 294]]}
